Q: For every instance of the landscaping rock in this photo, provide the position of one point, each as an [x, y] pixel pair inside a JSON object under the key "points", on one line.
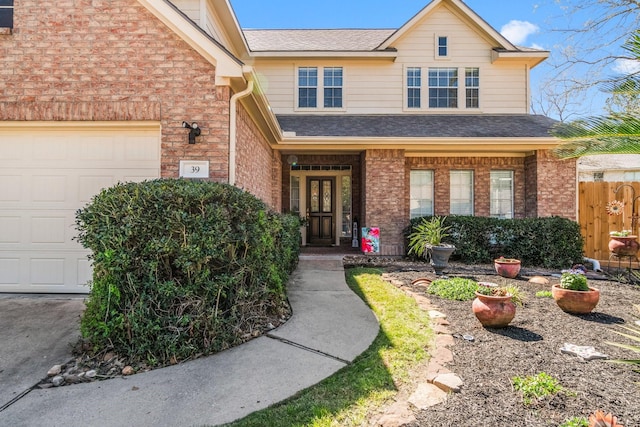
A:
{"points": [[57, 381], [55, 370], [397, 415], [427, 395], [448, 382], [128, 370]]}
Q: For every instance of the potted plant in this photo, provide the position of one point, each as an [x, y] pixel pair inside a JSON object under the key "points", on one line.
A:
{"points": [[623, 243], [574, 295], [507, 267], [427, 237], [495, 306]]}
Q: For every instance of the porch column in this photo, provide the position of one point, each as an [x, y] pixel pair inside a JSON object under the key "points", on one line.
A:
{"points": [[384, 195], [551, 186]]}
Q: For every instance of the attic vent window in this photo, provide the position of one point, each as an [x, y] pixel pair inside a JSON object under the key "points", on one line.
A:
{"points": [[6, 14], [598, 176]]}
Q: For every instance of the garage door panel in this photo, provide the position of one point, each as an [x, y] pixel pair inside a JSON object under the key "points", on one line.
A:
{"points": [[10, 188], [45, 177], [9, 271], [49, 188], [10, 229]]}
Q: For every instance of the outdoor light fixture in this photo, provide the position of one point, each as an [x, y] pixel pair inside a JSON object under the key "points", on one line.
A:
{"points": [[194, 131]]}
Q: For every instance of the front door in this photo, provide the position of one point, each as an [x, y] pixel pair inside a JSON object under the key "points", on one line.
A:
{"points": [[321, 210]]}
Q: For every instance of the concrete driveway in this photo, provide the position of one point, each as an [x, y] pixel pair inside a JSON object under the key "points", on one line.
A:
{"points": [[36, 332]]}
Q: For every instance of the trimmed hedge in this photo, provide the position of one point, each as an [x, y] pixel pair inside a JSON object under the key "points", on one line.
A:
{"points": [[550, 242], [183, 268]]}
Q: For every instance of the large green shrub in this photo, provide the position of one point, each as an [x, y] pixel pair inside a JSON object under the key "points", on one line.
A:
{"points": [[551, 242], [182, 268]]}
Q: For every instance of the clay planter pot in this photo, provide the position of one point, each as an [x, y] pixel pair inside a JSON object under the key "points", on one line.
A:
{"points": [[575, 302], [623, 246], [507, 267], [493, 311]]}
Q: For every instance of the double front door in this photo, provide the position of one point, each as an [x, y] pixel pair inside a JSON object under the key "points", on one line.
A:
{"points": [[321, 210]]}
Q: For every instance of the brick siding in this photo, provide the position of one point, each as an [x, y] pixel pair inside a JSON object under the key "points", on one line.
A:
{"points": [[113, 60], [556, 186], [385, 190]]}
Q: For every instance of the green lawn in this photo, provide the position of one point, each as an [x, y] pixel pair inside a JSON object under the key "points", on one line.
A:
{"points": [[345, 398]]}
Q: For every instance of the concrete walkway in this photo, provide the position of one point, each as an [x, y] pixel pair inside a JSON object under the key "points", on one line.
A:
{"points": [[330, 326]]}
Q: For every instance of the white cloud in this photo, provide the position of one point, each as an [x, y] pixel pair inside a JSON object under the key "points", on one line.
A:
{"points": [[626, 66], [537, 46], [517, 31]]}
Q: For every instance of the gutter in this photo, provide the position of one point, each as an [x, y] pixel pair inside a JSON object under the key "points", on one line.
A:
{"points": [[233, 131]]}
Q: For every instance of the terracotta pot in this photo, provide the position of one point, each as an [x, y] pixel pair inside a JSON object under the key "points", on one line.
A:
{"points": [[507, 267], [493, 311], [624, 246], [575, 302]]}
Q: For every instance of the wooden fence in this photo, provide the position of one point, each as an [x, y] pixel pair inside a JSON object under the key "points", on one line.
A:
{"points": [[595, 223]]}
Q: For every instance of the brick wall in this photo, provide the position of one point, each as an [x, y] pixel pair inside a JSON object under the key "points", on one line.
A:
{"points": [[385, 191], [481, 167], [110, 60], [254, 160], [556, 186]]}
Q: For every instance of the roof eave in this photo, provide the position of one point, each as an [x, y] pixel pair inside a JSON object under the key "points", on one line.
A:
{"points": [[532, 58], [420, 145]]}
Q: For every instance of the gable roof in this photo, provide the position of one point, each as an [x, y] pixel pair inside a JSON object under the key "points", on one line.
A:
{"points": [[376, 43], [418, 126], [462, 8]]}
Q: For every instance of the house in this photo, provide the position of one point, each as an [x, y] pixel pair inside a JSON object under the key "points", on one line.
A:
{"points": [[338, 125], [609, 168]]}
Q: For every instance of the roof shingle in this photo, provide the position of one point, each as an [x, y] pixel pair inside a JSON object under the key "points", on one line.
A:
{"points": [[337, 40], [419, 126]]}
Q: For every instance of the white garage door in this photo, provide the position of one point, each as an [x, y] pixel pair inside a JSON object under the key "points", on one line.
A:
{"points": [[48, 172]]}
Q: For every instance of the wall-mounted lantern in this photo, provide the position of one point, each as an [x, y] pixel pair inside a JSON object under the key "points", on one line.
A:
{"points": [[194, 130]]}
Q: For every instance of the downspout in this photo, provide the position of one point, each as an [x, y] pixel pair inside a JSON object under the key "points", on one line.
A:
{"points": [[233, 130]]}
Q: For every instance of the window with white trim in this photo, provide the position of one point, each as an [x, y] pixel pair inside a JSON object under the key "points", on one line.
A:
{"points": [[333, 87], [501, 189], [443, 47], [443, 88], [307, 87], [421, 193], [472, 87], [320, 88], [461, 192], [414, 86]]}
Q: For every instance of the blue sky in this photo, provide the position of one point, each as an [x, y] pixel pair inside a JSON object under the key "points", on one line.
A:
{"points": [[523, 22]]}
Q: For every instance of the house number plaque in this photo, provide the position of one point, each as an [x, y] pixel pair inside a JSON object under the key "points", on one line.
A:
{"points": [[194, 169]]}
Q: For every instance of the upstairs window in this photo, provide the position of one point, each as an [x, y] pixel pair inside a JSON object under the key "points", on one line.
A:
{"points": [[443, 88], [443, 48], [333, 87], [461, 192], [307, 87], [472, 86], [501, 194], [414, 83]]}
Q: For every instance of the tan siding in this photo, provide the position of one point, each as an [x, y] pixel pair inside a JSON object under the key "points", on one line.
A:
{"points": [[377, 86]]}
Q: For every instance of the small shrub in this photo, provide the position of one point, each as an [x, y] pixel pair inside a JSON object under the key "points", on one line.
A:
{"points": [[544, 294], [536, 387], [456, 288], [575, 422], [574, 282], [183, 268]]}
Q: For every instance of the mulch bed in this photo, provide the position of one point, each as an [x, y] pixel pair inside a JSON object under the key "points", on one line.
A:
{"points": [[528, 346]]}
